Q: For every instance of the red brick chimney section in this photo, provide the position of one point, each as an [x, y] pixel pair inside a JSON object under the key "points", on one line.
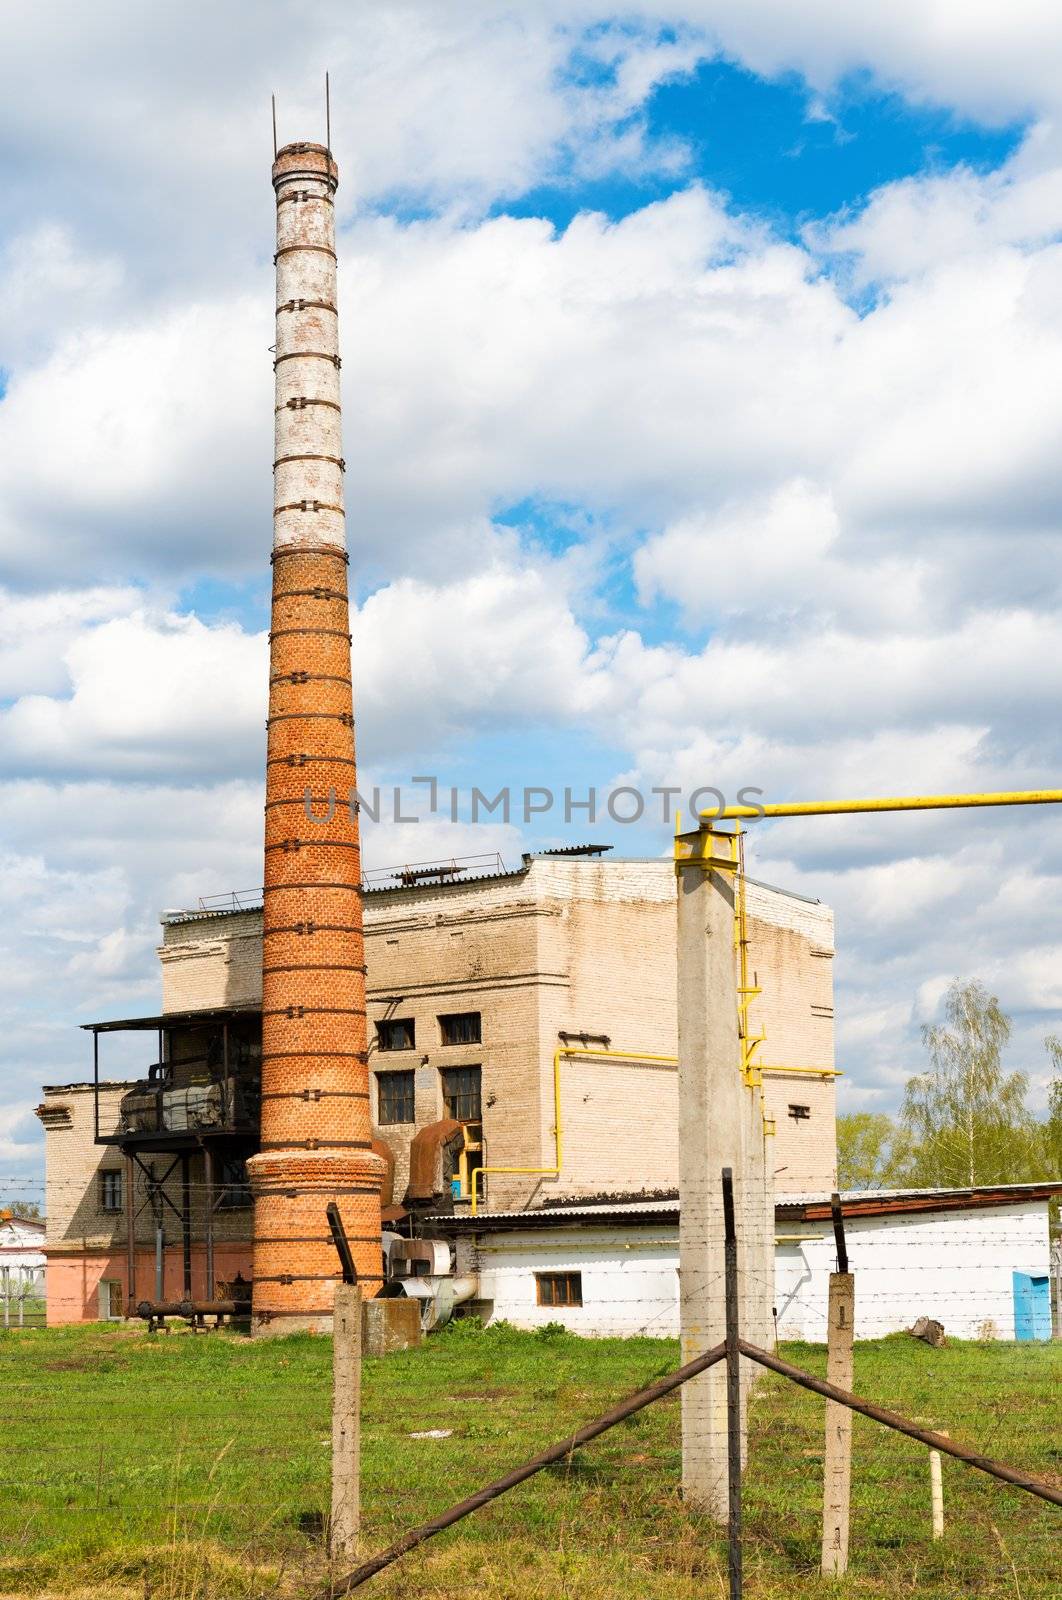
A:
{"points": [[316, 1125]]}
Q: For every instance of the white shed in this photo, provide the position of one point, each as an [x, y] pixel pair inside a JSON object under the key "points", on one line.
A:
{"points": [[22, 1263], [977, 1260]]}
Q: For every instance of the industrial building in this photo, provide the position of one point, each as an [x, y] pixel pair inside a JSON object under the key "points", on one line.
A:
{"points": [[521, 1044], [22, 1263], [975, 1260]]}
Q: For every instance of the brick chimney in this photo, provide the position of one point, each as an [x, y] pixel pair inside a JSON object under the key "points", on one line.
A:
{"points": [[316, 1127]]}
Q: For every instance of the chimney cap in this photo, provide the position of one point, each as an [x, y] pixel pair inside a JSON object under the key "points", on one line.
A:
{"points": [[304, 159]]}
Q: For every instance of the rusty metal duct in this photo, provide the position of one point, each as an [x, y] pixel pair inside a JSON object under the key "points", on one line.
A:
{"points": [[316, 1131]]}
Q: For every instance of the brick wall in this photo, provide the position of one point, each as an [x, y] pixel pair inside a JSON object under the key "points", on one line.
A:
{"points": [[574, 945], [84, 1242], [568, 945]]}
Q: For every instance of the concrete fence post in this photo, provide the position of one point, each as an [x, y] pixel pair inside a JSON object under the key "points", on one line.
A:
{"points": [[837, 1473], [346, 1422], [936, 1491]]}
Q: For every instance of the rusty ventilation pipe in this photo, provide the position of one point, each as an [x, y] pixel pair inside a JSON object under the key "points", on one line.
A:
{"points": [[316, 1128]]}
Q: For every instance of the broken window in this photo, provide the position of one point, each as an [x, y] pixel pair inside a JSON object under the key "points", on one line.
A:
{"points": [[462, 1027], [112, 1190], [462, 1093], [394, 1097], [800, 1113], [234, 1185], [559, 1288], [397, 1033]]}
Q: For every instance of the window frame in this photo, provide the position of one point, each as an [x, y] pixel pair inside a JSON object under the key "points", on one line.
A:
{"points": [[395, 1022], [572, 1281], [233, 1193], [446, 1017], [111, 1181], [407, 1073], [450, 1072], [111, 1285]]}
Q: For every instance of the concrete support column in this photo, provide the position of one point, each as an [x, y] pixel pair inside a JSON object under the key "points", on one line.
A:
{"points": [[720, 1125], [712, 1114]]}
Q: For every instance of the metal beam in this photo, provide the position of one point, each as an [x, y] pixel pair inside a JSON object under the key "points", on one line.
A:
{"points": [[917, 802], [208, 1226]]}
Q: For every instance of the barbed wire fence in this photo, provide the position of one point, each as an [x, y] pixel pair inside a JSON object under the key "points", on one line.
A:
{"points": [[199, 1471]]}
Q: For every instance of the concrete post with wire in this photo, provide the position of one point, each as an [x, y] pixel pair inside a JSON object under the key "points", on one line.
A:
{"points": [[345, 1522], [840, 1370], [717, 1110]]}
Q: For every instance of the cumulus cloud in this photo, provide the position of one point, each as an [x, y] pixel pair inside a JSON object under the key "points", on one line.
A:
{"points": [[834, 459]]}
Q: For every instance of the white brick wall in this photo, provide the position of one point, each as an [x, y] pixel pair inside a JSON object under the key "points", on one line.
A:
{"points": [[956, 1266], [571, 945]]}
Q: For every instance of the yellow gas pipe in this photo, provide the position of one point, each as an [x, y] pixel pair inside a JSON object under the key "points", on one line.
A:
{"points": [[555, 1171], [918, 802]]}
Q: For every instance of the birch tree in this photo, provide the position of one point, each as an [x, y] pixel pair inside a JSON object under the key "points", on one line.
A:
{"points": [[966, 1115]]}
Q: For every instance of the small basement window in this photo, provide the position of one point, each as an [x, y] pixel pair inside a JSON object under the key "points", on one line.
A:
{"points": [[559, 1288], [394, 1097], [462, 1027], [112, 1190], [800, 1113], [397, 1033]]}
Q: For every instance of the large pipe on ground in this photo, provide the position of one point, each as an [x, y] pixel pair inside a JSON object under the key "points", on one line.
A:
{"points": [[150, 1309]]}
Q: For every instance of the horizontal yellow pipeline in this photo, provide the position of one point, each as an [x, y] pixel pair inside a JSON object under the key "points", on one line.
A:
{"points": [[803, 1072], [555, 1171], [918, 802]]}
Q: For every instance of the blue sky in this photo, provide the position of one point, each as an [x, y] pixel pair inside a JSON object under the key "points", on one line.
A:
{"points": [[780, 150], [702, 397]]}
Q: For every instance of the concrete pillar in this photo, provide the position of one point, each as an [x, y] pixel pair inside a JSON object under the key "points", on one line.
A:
{"points": [[712, 1115], [837, 1472], [345, 1521], [720, 1125]]}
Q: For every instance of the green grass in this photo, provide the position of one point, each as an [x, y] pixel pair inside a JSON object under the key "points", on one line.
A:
{"points": [[185, 1466]]}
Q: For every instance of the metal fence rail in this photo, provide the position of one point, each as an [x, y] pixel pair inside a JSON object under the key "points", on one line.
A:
{"points": [[545, 1458]]}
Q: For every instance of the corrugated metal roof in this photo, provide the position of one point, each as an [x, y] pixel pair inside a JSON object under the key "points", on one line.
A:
{"points": [[173, 1019], [443, 883], [169, 918], [791, 1208]]}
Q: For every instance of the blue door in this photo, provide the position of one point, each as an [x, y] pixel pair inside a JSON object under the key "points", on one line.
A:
{"points": [[1032, 1307]]}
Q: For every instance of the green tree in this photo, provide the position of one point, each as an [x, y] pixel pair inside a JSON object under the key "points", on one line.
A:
{"points": [[966, 1115], [867, 1150], [28, 1209], [1053, 1125]]}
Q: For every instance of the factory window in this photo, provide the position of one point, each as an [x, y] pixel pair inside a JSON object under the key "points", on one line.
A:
{"points": [[397, 1033], [463, 1027], [559, 1288], [112, 1191], [800, 1113], [462, 1093], [394, 1092], [234, 1186]]}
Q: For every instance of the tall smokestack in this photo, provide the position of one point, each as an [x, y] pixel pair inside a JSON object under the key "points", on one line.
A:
{"points": [[316, 1129]]}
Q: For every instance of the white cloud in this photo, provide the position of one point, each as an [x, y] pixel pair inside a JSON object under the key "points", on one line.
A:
{"points": [[35, 631], [856, 514], [131, 443], [148, 696]]}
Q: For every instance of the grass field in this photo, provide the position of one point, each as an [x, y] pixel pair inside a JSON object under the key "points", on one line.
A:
{"points": [[180, 1466]]}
